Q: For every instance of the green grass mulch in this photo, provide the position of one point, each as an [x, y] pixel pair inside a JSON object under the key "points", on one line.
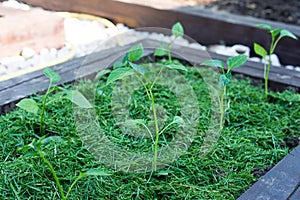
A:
{"points": [[255, 135]]}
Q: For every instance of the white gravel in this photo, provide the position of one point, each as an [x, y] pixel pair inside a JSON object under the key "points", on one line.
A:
{"points": [[84, 36]]}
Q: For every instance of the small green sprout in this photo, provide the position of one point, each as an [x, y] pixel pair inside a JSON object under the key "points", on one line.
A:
{"points": [[225, 77], [276, 36], [32, 106], [36, 149], [128, 66], [177, 31]]}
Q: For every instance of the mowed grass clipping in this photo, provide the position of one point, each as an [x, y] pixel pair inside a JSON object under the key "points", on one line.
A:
{"points": [[253, 137]]}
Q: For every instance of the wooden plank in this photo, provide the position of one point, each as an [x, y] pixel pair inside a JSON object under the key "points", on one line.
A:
{"points": [[296, 194], [206, 27], [280, 183], [17, 88]]}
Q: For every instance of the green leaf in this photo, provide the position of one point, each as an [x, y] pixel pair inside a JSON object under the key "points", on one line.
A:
{"points": [[95, 172], [178, 120], [236, 61], [26, 148], [173, 65], [79, 99], [101, 73], [117, 74], [57, 139], [265, 26], [138, 68], [275, 32], [29, 105], [259, 50], [160, 51], [286, 33], [52, 75], [135, 53], [214, 63], [119, 64], [163, 173], [177, 30], [224, 79]]}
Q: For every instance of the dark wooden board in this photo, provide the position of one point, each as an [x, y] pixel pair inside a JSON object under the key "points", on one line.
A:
{"points": [[17, 88], [205, 26], [296, 194], [280, 183]]}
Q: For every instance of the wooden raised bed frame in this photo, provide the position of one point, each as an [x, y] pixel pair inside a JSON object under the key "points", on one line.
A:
{"points": [[283, 176], [207, 27]]}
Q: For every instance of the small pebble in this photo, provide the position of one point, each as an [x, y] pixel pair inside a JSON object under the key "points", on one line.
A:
{"points": [[221, 49], [44, 51], [297, 69], [15, 4], [239, 49], [290, 67], [197, 46], [13, 67], [27, 52], [3, 70], [13, 59], [255, 59], [53, 51], [274, 60]]}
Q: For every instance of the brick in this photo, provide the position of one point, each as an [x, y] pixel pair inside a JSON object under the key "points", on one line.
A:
{"points": [[35, 29]]}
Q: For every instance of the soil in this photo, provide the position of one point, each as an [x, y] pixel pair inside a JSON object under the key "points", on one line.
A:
{"points": [[287, 11], [290, 142], [259, 172]]}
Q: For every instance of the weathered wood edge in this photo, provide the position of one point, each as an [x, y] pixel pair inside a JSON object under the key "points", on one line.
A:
{"points": [[32, 83], [205, 27], [17, 88], [280, 183]]}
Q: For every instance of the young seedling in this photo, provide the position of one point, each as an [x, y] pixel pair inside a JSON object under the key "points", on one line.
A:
{"points": [[276, 36], [36, 147], [177, 31], [225, 77], [32, 106], [126, 67]]}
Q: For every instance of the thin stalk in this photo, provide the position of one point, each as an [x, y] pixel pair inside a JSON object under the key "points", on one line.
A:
{"points": [[151, 98], [169, 52], [156, 78], [156, 131], [267, 77], [166, 128], [148, 132], [73, 184], [43, 110], [222, 110], [60, 189], [268, 68]]}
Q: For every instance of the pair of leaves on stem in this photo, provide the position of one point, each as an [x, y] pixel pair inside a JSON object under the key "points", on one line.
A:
{"points": [[36, 145], [75, 96], [177, 31], [127, 66], [232, 62], [279, 33]]}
